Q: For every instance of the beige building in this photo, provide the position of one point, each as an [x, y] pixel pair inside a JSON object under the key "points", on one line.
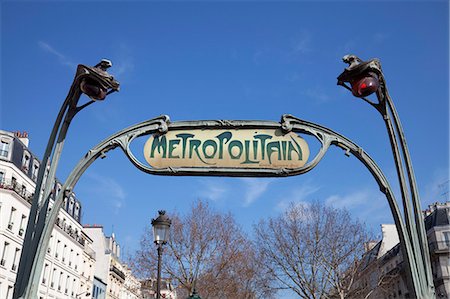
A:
{"points": [[120, 283]]}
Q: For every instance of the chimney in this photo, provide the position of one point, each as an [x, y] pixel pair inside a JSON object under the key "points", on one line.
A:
{"points": [[23, 137]]}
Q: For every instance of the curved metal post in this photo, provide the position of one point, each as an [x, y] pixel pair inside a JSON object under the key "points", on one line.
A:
{"points": [[357, 70], [44, 187], [326, 136]]}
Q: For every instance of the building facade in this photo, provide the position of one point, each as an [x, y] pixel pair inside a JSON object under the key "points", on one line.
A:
{"points": [[119, 281], [148, 288], [61, 276], [437, 224], [382, 272]]}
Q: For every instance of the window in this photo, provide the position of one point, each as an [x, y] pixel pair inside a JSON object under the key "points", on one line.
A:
{"points": [[64, 253], [49, 250], [4, 148], [9, 292], [70, 257], [60, 280], [66, 290], [15, 260], [70, 211], [74, 286], [35, 171], [22, 225], [14, 182], [76, 261], [4, 254], [26, 161], [45, 274], [11, 218], [58, 245], [23, 191], [52, 285], [77, 211], [2, 177], [446, 238]]}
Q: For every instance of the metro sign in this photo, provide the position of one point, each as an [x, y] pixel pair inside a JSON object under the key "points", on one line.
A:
{"points": [[232, 148]]}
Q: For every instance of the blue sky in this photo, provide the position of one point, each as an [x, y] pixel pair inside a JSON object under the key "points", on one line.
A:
{"points": [[229, 60]]}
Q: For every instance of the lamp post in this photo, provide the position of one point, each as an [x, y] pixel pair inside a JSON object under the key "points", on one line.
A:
{"points": [[364, 78], [96, 83], [194, 295], [161, 227]]}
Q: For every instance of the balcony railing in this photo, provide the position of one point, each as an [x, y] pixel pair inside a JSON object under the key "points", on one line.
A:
{"points": [[69, 231], [117, 271], [439, 246], [12, 185]]}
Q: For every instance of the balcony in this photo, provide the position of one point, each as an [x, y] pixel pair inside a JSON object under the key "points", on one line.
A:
{"points": [[69, 231], [117, 272], [439, 247], [12, 185]]}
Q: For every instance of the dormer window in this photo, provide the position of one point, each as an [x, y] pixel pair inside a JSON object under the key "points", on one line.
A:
{"points": [[26, 161], [70, 211], [5, 147], [77, 211], [35, 171]]}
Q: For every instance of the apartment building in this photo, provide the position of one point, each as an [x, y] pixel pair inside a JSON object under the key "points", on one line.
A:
{"points": [[109, 269], [382, 274], [62, 275]]}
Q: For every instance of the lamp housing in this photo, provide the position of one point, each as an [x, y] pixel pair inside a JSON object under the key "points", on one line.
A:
{"points": [[93, 89], [161, 228], [365, 85]]}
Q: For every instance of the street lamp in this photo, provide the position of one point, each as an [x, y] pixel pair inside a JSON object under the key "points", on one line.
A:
{"points": [[161, 227], [96, 83], [366, 78]]}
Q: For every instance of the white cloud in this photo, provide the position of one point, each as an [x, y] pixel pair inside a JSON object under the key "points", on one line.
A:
{"points": [[106, 188], [61, 57], [349, 200], [212, 189], [317, 94], [254, 188], [437, 189], [124, 60], [299, 196], [302, 44], [371, 207]]}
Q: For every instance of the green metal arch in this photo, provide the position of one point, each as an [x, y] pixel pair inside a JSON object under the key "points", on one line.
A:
{"points": [[162, 124]]}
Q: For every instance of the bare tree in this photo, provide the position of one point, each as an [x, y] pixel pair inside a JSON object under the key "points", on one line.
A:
{"points": [[311, 249], [207, 251]]}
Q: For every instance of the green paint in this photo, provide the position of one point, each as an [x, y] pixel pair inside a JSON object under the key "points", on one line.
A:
{"points": [[238, 144], [160, 143], [184, 137], [212, 144], [253, 150], [172, 147], [273, 147], [224, 136], [247, 153], [263, 138]]}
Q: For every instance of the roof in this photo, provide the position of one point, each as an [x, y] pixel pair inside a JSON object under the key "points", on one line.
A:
{"points": [[439, 217]]}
